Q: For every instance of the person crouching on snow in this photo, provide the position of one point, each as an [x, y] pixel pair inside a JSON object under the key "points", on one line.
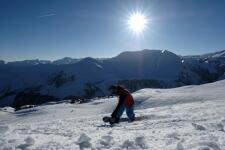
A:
{"points": [[126, 101]]}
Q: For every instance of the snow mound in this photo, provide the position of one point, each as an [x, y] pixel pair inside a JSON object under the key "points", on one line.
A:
{"points": [[4, 128], [29, 141], [84, 141], [7, 109]]}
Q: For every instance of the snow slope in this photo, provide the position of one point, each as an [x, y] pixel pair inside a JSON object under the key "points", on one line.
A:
{"points": [[190, 117]]}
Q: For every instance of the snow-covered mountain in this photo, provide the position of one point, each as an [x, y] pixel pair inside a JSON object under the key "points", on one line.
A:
{"points": [[154, 64], [209, 55], [28, 62], [65, 61], [88, 77], [184, 118]]}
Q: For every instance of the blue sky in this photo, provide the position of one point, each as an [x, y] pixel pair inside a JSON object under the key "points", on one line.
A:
{"points": [[53, 29]]}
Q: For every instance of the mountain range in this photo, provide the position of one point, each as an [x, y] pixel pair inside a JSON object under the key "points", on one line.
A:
{"points": [[33, 82]]}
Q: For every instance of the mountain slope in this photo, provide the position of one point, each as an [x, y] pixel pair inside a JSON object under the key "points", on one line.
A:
{"points": [[190, 117]]}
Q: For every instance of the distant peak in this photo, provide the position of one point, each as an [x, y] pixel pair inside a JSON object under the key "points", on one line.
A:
{"points": [[144, 52], [88, 59], [65, 60]]}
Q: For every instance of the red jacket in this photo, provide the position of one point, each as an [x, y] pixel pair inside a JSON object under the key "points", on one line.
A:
{"points": [[125, 97]]}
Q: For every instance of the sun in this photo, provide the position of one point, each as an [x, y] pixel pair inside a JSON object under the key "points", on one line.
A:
{"points": [[137, 22]]}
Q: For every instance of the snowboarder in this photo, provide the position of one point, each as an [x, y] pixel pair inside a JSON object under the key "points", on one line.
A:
{"points": [[126, 101]]}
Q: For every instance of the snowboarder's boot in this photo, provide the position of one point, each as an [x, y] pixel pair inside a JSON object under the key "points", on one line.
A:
{"points": [[131, 119], [114, 120]]}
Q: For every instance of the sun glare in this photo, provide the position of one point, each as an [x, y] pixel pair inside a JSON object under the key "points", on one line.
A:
{"points": [[137, 22]]}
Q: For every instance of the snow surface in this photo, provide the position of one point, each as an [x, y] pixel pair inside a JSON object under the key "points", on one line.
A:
{"points": [[190, 117]]}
